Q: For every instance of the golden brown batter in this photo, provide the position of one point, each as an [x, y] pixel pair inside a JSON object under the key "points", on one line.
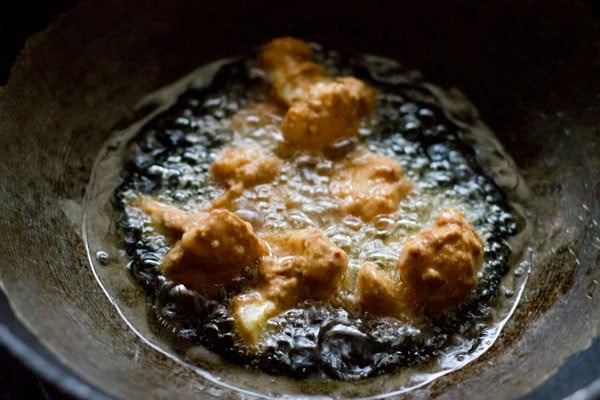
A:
{"points": [[322, 110], [378, 294], [303, 265], [244, 166], [437, 268], [215, 247], [439, 264], [369, 184]]}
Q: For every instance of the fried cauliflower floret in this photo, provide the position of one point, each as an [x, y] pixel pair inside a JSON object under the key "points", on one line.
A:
{"points": [[439, 264], [323, 110], [305, 265], [368, 184], [287, 62], [309, 266], [438, 269], [164, 215], [239, 168], [331, 111], [244, 166], [215, 246], [378, 294]]}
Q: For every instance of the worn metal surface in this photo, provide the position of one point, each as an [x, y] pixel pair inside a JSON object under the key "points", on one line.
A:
{"points": [[532, 68]]}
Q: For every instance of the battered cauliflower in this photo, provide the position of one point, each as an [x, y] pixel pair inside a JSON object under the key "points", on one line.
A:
{"points": [[287, 62], [239, 168], [369, 184], [322, 109], [304, 265], [439, 264], [331, 111], [438, 269], [215, 246], [244, 166], [378, 294]]}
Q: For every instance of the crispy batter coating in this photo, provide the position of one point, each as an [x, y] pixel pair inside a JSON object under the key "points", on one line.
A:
{"points": [[246, 166], [305, 265], [439, 264], [164, 215], [323, 110], [308, 266], [239, 168], [378, 294], [330, 111], [369, 184], [287, 62], [438, 269], [215, 247]]}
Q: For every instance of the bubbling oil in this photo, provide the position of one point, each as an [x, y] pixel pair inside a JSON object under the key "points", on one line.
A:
{"points": [[169, 158]]}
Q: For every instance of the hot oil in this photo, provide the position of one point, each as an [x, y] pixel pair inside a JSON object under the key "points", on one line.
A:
{"points": [[447, 154]]}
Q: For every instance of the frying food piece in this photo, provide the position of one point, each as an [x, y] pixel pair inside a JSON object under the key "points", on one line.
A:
{"points": [[251, 312], [213, 250], [323, 110], [438, 267], [439, 264], [305, 265], [215, 247], [245, 166], [164, 215], [287, 62], [378, 294], [239, 168], [331, 111], [309, 266], [369, 184]]}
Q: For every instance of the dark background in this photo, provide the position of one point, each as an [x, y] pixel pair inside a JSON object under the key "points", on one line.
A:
{"points": [[17, 22], [16, 382]]}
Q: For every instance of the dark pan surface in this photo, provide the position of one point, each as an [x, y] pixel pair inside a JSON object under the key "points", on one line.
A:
{"points": [[532, 68]]}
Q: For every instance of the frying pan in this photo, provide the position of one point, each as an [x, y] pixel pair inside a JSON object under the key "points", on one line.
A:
{"points": [[531, 67]]}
